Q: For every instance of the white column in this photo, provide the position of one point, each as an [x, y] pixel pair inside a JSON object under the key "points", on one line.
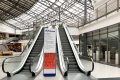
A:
{"points": [[97, 56], [106, 56], [116, 58]]}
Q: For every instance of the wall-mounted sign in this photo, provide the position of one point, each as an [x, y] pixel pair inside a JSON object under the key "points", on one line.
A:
{"points": [[49, 52]]}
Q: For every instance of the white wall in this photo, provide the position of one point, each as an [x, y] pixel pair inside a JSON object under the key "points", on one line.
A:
{"points": [[103, 22], [73, 31], [6, 29]]}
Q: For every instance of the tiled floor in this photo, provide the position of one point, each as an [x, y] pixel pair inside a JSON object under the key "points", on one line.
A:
{"points": [[100, 71], [105, 71]]}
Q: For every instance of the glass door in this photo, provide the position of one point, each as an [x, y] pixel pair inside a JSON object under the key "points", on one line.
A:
{"points": [[103, 48], [113, 48], [96, 47]]}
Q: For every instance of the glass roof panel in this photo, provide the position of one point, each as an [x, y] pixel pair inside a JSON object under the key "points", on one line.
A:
{"points": [[71, 12]]}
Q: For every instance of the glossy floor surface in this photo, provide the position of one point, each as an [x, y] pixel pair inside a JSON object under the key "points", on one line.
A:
{"points": [[20, 76], [100, 71]]}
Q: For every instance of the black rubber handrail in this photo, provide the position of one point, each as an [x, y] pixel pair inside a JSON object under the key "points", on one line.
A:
{"points": [[8, 74], [89, 72]]}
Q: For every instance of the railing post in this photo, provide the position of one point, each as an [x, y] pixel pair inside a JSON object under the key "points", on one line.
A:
{"points": [[97, 13], [117, 5], [89, 18], [106, 9]]}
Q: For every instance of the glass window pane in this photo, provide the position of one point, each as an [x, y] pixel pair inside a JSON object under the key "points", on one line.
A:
{"points": [[89, 46], [113, 35], [113, 47], [95, 46], [103, 48]]}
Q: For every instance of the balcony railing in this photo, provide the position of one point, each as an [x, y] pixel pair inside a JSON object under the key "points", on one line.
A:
{"points": [[103, 10]]}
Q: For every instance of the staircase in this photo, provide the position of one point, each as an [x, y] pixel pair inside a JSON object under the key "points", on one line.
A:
{"points": [[35, 50], [67, 51]]}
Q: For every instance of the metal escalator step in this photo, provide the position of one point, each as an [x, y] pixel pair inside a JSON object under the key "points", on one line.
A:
{"points": [[66, 48], [26, 64], [73, 67], [40, 40], [66, 51], [77, 71], [33, 55], [39, 43], [37, 46], [36, 50], [65, 42], [73, 63], [67, 54], [64, 45], [63, 34], [28, 61], [26, 68], [29, 58], [72, 60], [71, 57], [32, 52], [63, 37]]}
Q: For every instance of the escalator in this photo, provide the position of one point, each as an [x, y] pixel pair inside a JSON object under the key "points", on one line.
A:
{"points": [[76, 65], [67, 50], [35, 51], [20, 64]]}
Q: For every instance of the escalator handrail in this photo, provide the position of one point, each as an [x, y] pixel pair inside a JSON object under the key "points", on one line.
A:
{"points": [[38, 68], [37, 32], [91, 61], [74, 51], [61, 55], [3, 65]]}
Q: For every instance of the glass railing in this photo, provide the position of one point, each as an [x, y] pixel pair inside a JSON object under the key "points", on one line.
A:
{"points": [[104, 10], [6, 40], [63, 64], [36, 64], [81, 60], [12, 65]]}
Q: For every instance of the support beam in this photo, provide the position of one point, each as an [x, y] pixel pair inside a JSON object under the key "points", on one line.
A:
{"points": [[85, 12]]}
